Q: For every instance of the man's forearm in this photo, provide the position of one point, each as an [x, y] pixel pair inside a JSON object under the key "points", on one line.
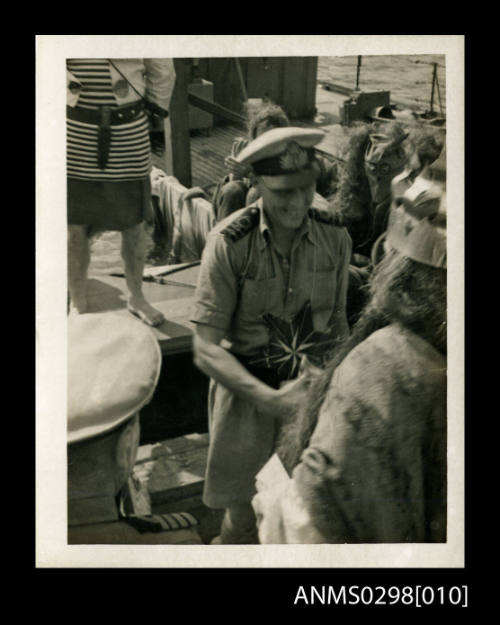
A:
{"points": [[339, 322], [222, 366]]}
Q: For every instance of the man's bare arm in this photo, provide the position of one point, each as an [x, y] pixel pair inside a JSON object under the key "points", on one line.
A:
{"points": [[222, 366]]}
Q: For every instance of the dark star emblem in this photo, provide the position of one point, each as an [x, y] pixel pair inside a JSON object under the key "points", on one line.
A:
{"points": [[291, 340]]}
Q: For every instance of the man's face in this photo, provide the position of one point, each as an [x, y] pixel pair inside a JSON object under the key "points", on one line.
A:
{"points": [[381, 172], [287, 208]]}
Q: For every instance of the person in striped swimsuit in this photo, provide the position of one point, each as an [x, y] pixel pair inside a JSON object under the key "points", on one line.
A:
{"points": [[109, 162]]}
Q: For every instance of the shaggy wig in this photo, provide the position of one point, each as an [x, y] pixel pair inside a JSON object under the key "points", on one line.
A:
{"points": [[352, 201], [353, 195], [265, 116], [426, 142], [401, 291]]}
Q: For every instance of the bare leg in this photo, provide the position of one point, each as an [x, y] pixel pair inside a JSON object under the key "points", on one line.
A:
{"points": [[133, 254], [78, 263], [239, 526]]}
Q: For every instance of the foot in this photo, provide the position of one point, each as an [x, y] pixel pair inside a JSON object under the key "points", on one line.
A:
{"points": [[145, 312]]}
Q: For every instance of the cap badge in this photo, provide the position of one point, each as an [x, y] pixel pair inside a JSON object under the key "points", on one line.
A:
{"points": [[294, 157]]}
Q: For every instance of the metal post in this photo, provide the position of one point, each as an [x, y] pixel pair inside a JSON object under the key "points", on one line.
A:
{"points": [[439, 95], [357, 72], [242, 80], [434, 78]]}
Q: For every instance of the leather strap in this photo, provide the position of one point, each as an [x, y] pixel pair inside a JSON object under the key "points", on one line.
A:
{"points": [[105, 117], [118, 115]]}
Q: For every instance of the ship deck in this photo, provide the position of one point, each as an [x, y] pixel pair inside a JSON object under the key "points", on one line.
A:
{"points": [[172, 457]]}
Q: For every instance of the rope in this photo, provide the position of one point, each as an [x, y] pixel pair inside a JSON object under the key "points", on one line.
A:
{"points": [[429, 63]]}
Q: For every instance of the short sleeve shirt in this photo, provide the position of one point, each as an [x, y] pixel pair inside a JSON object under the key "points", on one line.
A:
{"points": [[242, 277]]}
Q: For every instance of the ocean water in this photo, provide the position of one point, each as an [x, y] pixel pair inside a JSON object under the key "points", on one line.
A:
{"points": [[407, 77]]}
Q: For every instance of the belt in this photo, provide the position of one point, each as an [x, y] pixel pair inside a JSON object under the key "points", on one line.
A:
{"points": [[105, 117], [269, 375], [117, 115]]}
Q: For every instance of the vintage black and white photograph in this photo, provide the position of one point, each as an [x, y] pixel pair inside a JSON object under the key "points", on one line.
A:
{"points": [[249, 311]]}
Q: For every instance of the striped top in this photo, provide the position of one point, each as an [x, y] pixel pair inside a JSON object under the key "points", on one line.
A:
{"points": [[130, 148]]}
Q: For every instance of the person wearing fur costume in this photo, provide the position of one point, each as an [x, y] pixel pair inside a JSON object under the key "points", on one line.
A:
{"points": [[367, 450], [379, 163]]}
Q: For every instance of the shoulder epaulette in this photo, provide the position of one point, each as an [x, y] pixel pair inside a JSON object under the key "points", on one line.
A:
{"points": [[325, 217], [242, 225]]}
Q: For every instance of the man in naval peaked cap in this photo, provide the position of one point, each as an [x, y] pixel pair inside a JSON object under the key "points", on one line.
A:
{"points": [[269, 305], [113, 367]]}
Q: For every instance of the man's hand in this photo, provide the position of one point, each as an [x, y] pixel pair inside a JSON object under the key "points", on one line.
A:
{"points": [[292, 393], [286, 399], [309, 369], [222, 366], [238, 170]]}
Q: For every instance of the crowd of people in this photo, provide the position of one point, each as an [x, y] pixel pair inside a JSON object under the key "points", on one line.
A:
{"points": [[319, 317]]}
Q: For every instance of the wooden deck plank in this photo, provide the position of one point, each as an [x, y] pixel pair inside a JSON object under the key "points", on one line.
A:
{"points": [[207, 154], [179, 445], [173, 470]]}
